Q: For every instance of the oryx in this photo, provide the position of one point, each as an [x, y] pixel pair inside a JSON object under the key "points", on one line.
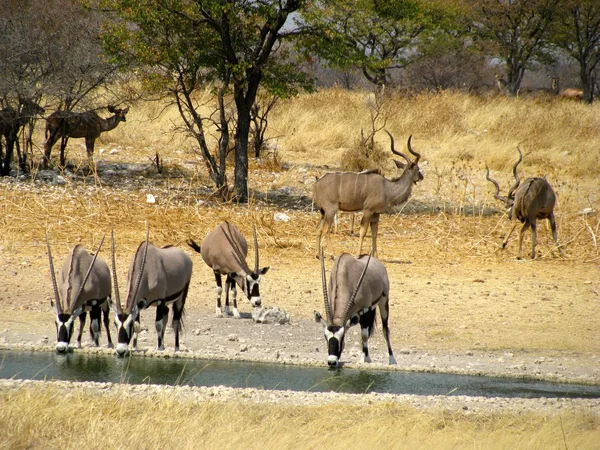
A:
{"points": [[356, 287], [157, 277], [84, 286], [224, 250]]}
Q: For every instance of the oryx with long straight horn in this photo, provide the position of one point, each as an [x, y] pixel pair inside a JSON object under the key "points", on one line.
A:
{"points": [[527, 202], [356, 287], [224, 250], [157, 277], [84, 285], [368, 191]]}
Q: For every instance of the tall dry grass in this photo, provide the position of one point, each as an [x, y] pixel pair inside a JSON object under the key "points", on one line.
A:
{"points": [[47, 418]]}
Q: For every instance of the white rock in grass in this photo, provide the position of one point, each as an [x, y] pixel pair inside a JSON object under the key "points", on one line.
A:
{"points": [[150, 199], [281, 217]]}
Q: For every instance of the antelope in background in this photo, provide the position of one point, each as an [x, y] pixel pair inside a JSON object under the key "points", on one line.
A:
{"points": [[11, 122], [88, 125], [532, 200], [224, 250], [356, 287], [89, 277], [157, 277], [368, 191]]}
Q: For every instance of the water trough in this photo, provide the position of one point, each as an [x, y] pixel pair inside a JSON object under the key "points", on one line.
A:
{"points": [[196, 372]]}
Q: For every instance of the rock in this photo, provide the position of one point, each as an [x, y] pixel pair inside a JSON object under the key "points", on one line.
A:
{"points": [[281, 217], [150, 199], [233, 337], [270, 315]]}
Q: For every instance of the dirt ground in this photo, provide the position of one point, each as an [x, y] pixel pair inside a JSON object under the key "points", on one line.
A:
{"points": [[457, 303]]}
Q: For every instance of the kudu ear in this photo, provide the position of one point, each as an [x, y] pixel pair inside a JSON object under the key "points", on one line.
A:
{"points": [[264, 270], [399, 164]]}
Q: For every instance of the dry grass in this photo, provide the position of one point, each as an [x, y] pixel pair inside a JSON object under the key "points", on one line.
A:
{"points": [[47, 418]]}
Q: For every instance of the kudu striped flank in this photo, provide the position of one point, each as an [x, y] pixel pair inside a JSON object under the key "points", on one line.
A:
{"points": [[368, 191], [84, 285], [157, 277], [224, 250], [527, 202], [356, 287]]}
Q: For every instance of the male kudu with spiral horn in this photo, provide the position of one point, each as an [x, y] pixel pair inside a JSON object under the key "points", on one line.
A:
{"points": [[224, 250], [157, 277], [528, 201], [89, 278], [356, 287], [368, 191]]}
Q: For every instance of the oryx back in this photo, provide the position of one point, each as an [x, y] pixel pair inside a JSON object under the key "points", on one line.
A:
{"points": [[97, 287], [217, 252]]}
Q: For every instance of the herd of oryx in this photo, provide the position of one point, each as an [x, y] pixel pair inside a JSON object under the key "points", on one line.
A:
{"points": [[160, 277]]}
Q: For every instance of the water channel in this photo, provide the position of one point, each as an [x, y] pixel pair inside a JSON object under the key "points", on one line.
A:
{"points": [[137, 369]]}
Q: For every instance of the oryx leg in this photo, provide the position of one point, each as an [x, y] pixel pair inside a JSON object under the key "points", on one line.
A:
{"points": [[384, 311], [105, 311], [82, 318], [509, 233], [218, 312], [177, 314], [364, 224], [95, 315], [136, 331], [521, 233], [374, 228], [367, 321], [162, 316], [230, 284]]}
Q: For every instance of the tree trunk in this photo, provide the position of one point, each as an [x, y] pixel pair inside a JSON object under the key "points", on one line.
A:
{"points": [[586, 82]]}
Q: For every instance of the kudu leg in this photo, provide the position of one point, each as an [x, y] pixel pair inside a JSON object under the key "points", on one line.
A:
{"points": [[374, 229], [324, 227], [95, 329], [89, 147], [505, 241], [521, 234], [82, 318], [177, 314], [554, 232], [218, 312], [364, 224], [384, 311], [105, 313]]}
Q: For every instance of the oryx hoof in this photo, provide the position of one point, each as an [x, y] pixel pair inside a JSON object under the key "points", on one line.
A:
{"points": [[227, 312], [110, 345], [236, 313], [218, 312], [79, 345], [160, 348], [392, 360]]}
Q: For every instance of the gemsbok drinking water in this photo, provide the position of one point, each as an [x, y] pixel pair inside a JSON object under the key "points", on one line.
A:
{"points": [[368, 191], [84, 285], [356, 288], [527, 202], [224, 250], [157, 277]]}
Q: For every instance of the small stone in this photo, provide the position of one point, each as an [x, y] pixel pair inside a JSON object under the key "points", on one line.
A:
{"points": [[232, 337]]}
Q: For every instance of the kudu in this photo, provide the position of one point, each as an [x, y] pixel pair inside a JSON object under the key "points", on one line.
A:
{"points": [[224, 250], [11, 122], [157, 277], [88, 125], [84, 286], [368, 191], [356, 287], [528, 201]]}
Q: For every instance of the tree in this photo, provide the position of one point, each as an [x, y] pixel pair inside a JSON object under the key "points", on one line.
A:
{"points": [[182, 46], [373, 35], [578, 33], [517, 31]]}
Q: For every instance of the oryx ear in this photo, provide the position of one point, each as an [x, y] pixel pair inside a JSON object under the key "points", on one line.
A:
{"points": [[264, 270], [112, 306], [142, 304], [353, 320], [399, 164], [232, 274], [54, 307], [318, 317]]}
